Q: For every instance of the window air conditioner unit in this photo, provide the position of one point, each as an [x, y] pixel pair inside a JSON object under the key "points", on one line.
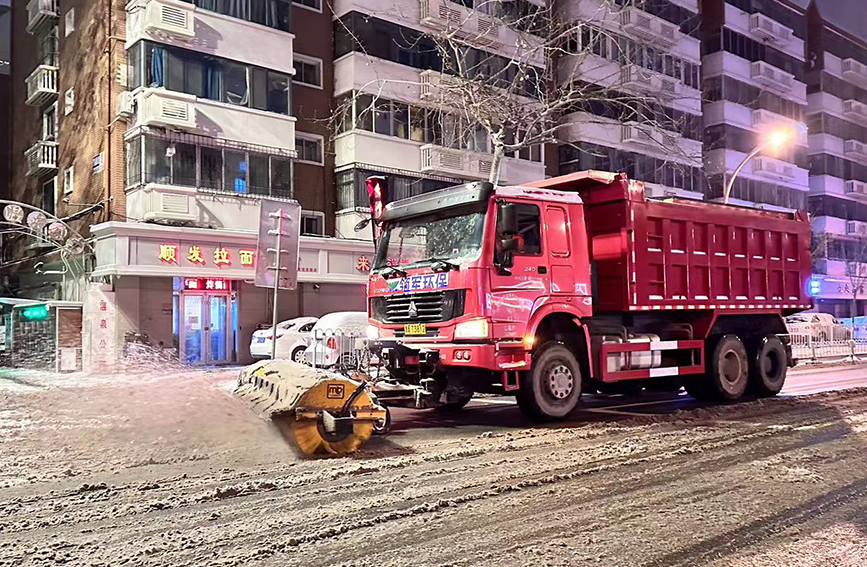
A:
{"points": [[125, 105], [160, 109], [170, 19], [854, 187]]}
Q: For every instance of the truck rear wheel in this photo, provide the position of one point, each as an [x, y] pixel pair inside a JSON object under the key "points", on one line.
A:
{"points": [[768, 366], [553, 387], [727, 369]]}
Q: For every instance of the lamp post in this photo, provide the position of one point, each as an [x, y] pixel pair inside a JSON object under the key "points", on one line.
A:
{"points": [[774, 140]]}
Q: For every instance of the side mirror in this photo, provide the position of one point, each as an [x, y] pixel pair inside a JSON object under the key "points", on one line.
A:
{"points": [[507, 219], [508, 244]]}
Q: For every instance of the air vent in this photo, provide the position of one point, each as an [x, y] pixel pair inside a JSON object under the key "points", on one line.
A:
{"points": [[452, 160], [169, 19], [174, 204]]}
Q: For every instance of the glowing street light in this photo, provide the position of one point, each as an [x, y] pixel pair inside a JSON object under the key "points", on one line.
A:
{"points": [[775, 139]]}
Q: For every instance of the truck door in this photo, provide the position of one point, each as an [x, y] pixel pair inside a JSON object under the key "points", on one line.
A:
{"points": [[512, 296], [558, 237]]}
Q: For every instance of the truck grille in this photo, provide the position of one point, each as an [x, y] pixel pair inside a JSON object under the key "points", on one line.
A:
{"points": [[429, 307]]}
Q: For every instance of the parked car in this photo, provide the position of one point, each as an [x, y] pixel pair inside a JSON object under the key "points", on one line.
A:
{"points": [[293, 336], [338, 340], [820, 327]]}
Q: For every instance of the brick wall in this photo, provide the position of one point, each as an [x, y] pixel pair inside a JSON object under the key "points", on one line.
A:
{"points": [[314, 185]]}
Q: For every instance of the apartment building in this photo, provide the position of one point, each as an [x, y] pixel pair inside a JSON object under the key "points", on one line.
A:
{"points": [[158, 127], [386, 66], [837, 120], [753, 72], [643, 57], [5, 94]]}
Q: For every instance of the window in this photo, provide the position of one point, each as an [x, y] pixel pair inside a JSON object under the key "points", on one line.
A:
{"points": [[236, 172], [49, 123], [312, 223], [49, 196], [309, 148], [529, 233], [133, 162], [68, 180], [308, 71], [281, 177], [69, 22], [212, 168], [68, 102], [272, 13], [315, 5], [211, 78]]}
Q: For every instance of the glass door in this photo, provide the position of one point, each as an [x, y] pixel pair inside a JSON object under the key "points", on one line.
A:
{"points": [[193, 329], [217, 328]]}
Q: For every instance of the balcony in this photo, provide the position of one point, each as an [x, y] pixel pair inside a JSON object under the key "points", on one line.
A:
{"points": [[178, 111], [648, 81], [770, 167], [41, 14], [462, 163], [856, 150], [771, 76], [855, 72], [855, 188], [41, 158], [648, 27], [769, 29], [855, 111], [476, 27], [41, 86], [181, 24]]}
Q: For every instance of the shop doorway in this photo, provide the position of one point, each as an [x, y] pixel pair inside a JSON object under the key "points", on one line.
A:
{"points": [[206, 322]]}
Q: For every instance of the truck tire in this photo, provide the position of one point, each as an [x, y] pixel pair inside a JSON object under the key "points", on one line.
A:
{"points": [[768, 366], [552, 388], [454, 406], [727, 369]]}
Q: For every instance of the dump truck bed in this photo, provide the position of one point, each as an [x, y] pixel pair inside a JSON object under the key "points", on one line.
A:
{"points": [[679, 254]]}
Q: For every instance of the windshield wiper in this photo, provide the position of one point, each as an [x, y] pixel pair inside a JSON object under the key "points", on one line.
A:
{"points": [[390, 271], [440, 265]]}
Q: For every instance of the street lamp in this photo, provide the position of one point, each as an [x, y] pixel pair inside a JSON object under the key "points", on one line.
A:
{"points": [[775, 139]]}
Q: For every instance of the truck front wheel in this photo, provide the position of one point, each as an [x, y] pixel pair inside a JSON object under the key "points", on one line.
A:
{"points": [[552, 388], [768, 366]]}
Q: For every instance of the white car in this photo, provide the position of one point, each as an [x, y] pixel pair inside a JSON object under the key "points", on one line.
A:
{"points": [[292, 339], [338, 339]]}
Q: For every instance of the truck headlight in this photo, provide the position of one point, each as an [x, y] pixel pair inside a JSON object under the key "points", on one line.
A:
{"points": [[372, 332], [472, 329]]}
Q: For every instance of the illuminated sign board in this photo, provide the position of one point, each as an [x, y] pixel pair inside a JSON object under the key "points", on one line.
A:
{"points": [[36, 313], [206, 284]]}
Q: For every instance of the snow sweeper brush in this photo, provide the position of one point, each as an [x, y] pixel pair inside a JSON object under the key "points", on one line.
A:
{"points": [[321, 412]]}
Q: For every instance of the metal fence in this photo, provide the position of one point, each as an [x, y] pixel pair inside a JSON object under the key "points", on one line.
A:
{"points": [[344, 351], [806, 347]]}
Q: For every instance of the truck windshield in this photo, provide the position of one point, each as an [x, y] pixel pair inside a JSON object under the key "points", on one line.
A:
{"points": [[424, 240]]}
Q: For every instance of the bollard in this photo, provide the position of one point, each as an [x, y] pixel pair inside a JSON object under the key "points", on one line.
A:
{"points": [[852, 356]]}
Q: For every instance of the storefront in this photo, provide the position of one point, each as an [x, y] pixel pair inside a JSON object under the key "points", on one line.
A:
{"points": [[188, 293]]}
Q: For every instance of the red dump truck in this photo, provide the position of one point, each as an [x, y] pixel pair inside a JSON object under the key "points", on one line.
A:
{"points": [[581, 283]]}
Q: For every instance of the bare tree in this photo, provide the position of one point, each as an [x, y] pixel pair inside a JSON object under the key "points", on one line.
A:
{"points": [[509, 81]]}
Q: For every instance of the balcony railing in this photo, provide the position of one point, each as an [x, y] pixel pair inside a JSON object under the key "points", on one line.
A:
{"points": [[767, 74], [444, 14], [855, 111], [855, 71], [41, 158], [40, 13], [648, 27], [41, 85]]}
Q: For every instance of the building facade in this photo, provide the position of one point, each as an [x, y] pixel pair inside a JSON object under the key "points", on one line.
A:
{"points": [[5, 95], [837, 121], [643, 58], [753, 73]]}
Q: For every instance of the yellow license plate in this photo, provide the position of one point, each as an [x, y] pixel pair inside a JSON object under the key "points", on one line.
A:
{"points": [[415, 329]]}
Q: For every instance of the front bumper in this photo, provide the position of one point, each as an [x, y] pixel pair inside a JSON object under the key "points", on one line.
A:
{"points": [[501, 356]]}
